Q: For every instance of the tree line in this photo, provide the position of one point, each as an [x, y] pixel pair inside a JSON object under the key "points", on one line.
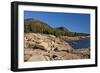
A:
{"points": [[52, 31]]}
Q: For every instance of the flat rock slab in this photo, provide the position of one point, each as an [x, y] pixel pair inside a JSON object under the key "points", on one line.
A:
{"points": [[39, 58]]}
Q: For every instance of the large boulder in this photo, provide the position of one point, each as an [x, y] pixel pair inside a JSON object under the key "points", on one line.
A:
{"points": [[47, 42]]}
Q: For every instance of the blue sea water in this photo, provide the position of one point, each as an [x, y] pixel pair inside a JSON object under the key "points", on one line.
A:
{"points": [[82, 43]]}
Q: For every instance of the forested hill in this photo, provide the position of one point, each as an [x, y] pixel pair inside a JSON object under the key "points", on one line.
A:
{"points": [[37, 26]]}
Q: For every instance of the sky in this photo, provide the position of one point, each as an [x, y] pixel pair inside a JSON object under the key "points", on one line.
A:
{"points": [[75, 22]]}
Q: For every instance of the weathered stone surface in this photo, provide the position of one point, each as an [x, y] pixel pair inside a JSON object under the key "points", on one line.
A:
{"points": [[42, 47], [39, 58]]}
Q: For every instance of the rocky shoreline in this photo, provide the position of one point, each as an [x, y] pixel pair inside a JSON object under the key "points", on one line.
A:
{"points": [[67, 38], [42, 47]]}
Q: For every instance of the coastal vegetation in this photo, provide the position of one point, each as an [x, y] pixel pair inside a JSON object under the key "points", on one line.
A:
{"points": [[37, 26]]}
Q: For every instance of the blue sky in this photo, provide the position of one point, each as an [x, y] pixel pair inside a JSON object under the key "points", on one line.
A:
{"points": [[75, 22]]}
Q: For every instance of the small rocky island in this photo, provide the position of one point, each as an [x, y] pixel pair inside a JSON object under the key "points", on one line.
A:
{"points": [[44, 43]]}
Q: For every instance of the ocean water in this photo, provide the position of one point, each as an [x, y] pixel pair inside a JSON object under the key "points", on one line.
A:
{"points": [[82, 43]]}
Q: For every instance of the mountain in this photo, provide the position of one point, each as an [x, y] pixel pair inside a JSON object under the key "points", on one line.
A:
{"points": [[36, 26], [33, 25], [36, 23], [63, 29]]}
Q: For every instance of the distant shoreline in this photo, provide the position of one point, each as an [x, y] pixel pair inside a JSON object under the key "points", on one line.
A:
{"points": [[67, 38]]}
